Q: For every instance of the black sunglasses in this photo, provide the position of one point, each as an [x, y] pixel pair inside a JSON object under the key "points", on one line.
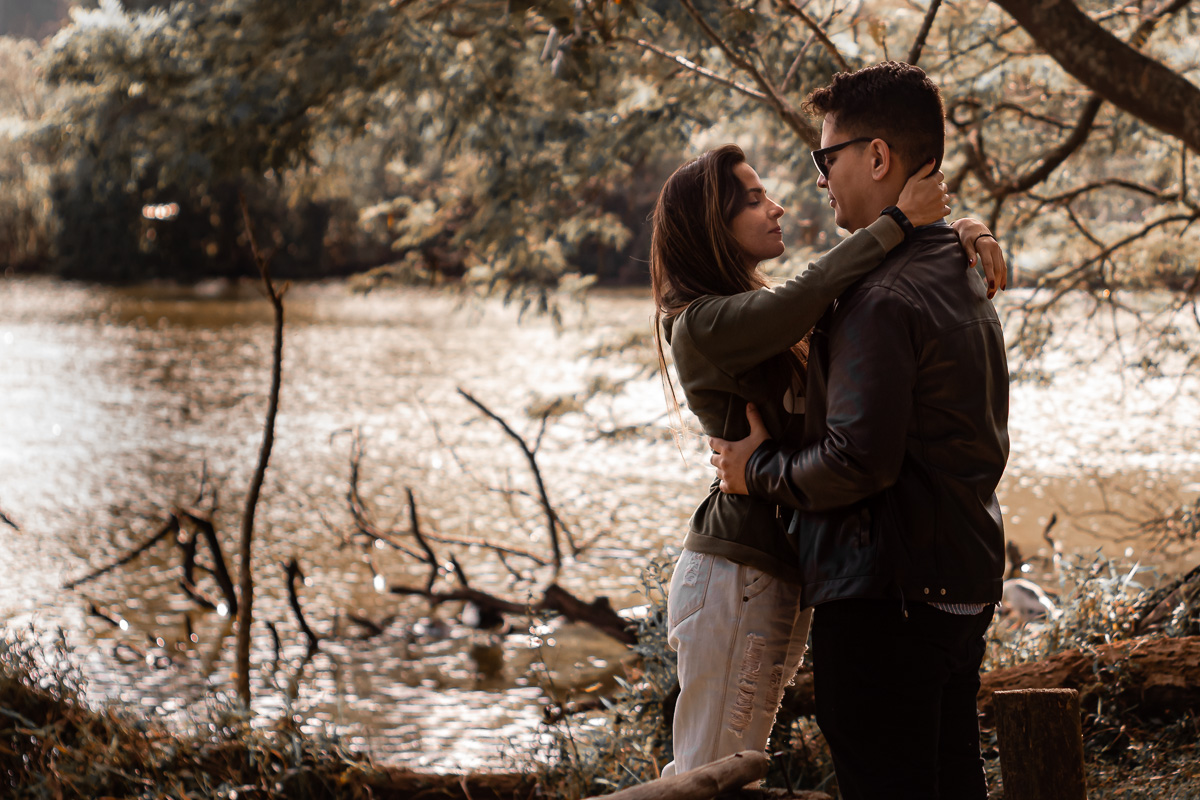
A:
{"points": [[819, 155]]}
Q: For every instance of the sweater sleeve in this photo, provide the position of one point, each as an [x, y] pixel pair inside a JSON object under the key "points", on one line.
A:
{"points": [[739, 331]]}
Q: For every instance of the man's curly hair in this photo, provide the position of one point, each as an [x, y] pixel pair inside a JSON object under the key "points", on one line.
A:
{"points": [[892, 101]]}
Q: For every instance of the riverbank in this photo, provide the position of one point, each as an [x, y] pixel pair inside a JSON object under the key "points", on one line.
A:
{"points": [[124, 402], [1141, 742]]}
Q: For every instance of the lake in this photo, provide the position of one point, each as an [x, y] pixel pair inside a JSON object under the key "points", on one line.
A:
{"points": [[119, 404]]}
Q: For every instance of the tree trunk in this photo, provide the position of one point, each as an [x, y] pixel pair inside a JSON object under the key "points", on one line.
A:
{"points": [[1041, 744], [246, 578]]}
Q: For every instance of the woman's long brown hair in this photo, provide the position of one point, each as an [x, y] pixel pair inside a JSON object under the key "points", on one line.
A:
{"points": [[693, 253]]}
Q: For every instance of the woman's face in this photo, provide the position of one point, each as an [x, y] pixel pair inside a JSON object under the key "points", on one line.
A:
{"points": [[756, 226]]}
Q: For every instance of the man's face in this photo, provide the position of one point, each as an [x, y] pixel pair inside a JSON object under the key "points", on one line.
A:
{"points": [[850, 186]]}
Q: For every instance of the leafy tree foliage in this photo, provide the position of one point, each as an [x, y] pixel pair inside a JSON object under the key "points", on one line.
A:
{"points": [[517, 143]]}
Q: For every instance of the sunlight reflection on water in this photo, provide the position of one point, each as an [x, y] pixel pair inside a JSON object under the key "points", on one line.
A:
{"points": [[116, 400]]}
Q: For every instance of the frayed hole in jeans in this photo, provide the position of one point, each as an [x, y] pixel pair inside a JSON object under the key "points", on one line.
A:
{"points": [[776, 686], [743, 704]]}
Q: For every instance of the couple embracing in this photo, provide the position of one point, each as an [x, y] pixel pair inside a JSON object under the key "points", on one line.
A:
{"points": [[858, 420]]}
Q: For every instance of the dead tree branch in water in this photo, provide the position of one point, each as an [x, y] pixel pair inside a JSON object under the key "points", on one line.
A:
{"points": [[531, 457], [430, 556], [170, 526], [246, 578], [293, 572], [8, 521], [188, 527], [366, 527], [507, 492], [187, 581], [220, 571], [599, 613]]}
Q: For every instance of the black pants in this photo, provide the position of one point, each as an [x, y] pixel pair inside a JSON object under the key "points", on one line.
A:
{"points": [[895, 698]]}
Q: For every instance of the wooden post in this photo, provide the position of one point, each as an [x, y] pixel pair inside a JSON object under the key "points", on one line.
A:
{"points": [[1041, 744], [702, 783]]}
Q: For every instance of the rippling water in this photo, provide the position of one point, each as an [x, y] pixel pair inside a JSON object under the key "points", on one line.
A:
{"points": [[115, 402]]}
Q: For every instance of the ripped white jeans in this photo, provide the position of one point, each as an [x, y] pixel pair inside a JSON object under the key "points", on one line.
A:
{"points": [[740, 634]]}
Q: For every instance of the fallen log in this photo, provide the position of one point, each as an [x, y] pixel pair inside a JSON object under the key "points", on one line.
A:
{"points": [[703, 783], [1149, 676], [1146, 677], [405, 784]]}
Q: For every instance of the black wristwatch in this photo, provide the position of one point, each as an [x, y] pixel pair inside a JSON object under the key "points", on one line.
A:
{"points": [[895, 213]]}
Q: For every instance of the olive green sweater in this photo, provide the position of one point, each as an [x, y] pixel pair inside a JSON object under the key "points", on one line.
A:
{"points": [[732, 349]]}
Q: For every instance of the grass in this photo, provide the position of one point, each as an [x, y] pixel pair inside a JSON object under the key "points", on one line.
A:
{"points": [[1127, 757], [55, 745]]}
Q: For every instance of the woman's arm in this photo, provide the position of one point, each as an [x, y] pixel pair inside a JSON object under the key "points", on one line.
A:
{"points": [[916, 203], [979, 243], [737, 332]]}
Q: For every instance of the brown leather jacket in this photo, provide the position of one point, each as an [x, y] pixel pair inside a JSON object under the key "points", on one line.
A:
{"points": [[905, 436]]}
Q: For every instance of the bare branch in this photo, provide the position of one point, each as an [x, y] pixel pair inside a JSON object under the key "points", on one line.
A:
{"points": [[1027, 114], [1051, 160], [498, 549], [786, 112], [537, 442], [293, 572], [1139, 188], [459, 571], [551, 517], [914, 54], [220, 571], [599, 613], [430, 557], [795, 67], [1108, 250], [366, 527], [818, 32], [170, 526], [187, 581], [688, 64], [246, 578], [1078, 223]]}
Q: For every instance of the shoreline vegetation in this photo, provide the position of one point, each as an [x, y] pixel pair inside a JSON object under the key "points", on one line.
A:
{"points": [[517, 154], [1124, 644], [1133, 653]]}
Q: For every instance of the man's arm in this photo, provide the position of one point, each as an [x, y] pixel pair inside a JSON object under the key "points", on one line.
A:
{"points": [[872, 372]]}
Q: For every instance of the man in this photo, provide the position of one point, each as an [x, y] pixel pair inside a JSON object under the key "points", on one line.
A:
{"points": [[900, 539]]}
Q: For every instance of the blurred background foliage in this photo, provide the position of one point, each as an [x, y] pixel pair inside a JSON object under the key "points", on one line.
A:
{"points": [[518, 146]]}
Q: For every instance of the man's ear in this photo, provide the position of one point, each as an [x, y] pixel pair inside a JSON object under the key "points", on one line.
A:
{"points": [[882, 159]]}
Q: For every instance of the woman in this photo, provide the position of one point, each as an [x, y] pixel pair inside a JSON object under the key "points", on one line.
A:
{"points": [[733, 609]]}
